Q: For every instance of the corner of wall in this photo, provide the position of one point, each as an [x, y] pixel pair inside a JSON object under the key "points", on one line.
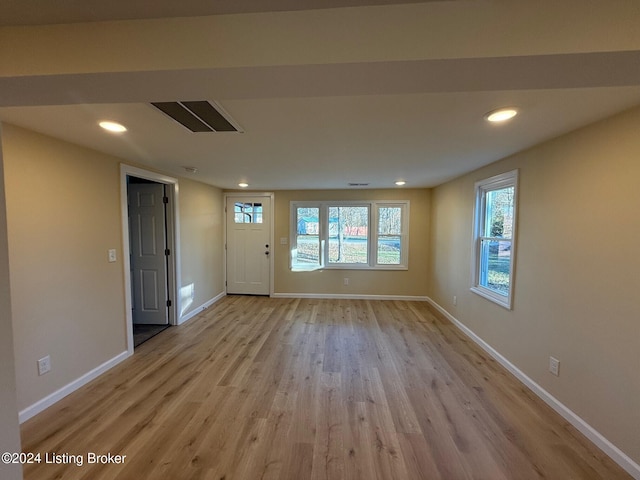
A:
{"points": [[9, 428]]}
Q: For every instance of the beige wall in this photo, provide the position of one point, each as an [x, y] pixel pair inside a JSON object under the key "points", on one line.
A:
{"points": [[411, 282], [201, 236], [577, 281], [9, 431], [63, 208]]}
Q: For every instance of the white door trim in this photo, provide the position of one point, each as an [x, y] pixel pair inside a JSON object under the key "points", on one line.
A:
{"points": [[173, 242], [270, 195]]}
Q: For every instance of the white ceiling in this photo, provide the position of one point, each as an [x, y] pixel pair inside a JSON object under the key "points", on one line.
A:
{"points": [[322, 126]]}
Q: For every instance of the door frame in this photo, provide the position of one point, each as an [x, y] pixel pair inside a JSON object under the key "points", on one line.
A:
{"points": [[173, 243], [269, 195]]}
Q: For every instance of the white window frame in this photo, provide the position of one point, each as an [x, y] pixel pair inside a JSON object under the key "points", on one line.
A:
{"points": [[482, 188], [372, 238]]}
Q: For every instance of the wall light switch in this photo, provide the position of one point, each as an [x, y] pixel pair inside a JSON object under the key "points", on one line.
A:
{"points": [[112, 255], [283, 240]]}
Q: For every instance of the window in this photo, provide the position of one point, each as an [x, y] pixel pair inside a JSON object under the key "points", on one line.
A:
{"points": [[247, 212], [348, 235], [494, 238], [370, 235], [390, 235]]}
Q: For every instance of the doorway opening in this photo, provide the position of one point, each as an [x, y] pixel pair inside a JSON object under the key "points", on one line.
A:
{"points": [[149, 257], [150, 253], [142, 332]]}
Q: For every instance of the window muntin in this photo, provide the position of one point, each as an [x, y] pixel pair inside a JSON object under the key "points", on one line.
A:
{"points": [[369, 235], [495, 224]]}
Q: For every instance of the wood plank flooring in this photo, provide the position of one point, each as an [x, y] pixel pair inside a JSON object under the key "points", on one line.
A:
{"points": [[261, 388]]}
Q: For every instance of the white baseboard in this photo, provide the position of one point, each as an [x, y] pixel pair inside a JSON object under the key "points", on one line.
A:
{"points": [[200, 309], [58, 395], [338, 296], [587, 430]]}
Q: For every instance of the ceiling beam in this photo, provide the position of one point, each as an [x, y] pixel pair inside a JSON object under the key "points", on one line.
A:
{"points": [[411, 32]]}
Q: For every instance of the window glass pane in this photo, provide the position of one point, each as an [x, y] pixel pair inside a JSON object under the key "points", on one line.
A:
{"points": [[257, 213], [248, 212], [307, 239], [390, 220], [389, 235], [389, 250], [348, 234], [495, 265], [237, 213], [499, 213]]}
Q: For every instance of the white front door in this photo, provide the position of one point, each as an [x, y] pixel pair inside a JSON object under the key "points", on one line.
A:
{"points": [[148, 253], [248, 244]]}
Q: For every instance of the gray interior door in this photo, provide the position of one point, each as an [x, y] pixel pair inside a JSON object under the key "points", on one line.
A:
{"points": [[147, 229]]}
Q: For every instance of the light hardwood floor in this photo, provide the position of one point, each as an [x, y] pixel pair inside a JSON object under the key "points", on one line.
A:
{"points": [[261, 388]]}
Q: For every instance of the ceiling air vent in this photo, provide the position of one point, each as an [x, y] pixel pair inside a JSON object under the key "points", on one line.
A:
{"points": [[354, 184], [199, 116]]}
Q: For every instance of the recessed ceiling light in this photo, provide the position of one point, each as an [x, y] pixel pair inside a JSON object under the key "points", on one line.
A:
{"points": [[501, 115], [400, 183], [113, 127], [243, 185]]}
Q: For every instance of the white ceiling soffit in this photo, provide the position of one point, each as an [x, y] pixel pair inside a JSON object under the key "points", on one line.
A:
{"points": [[581, 70]]}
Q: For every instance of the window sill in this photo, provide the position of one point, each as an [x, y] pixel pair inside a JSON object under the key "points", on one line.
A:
{"points": [[504, 302], [313, 268]]}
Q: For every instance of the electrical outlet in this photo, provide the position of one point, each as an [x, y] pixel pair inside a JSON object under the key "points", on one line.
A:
{"points": [[44, 365], [346, 281], [112, 255], [554, 366], [455, 300]]}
